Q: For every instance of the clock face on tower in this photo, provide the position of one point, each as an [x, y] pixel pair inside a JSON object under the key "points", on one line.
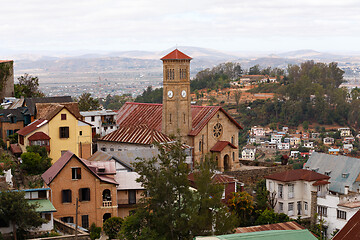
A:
{"points": [[170, 94], [183, 93]]}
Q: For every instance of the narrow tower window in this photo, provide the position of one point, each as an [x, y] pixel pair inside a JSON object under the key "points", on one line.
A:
{"points": [[170, 118]]}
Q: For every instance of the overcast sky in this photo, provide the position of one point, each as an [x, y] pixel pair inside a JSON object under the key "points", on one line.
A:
{"points": [[230, 25]]}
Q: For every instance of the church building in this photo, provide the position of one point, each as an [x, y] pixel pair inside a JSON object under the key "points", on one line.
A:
{"points": [[208, 129]]}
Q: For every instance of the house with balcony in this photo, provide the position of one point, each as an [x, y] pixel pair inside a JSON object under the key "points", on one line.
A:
{"points": [[103, 121], [295, 141], [40, 197], [93, 185], [129, 191], [292, 191]]}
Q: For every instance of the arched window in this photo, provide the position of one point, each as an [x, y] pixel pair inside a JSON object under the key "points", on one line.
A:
{"points": [[232, 140], [200, 145], [106, 195], [233, 156]]}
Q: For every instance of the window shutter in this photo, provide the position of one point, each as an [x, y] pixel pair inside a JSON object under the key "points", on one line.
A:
{"points": [[80, 194]]}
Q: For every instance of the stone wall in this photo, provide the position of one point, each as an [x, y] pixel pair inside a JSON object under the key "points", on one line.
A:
{"points": [[251, 176]]}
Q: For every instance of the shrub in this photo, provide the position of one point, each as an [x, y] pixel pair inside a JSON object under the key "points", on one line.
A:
{"points": [[94, 231], [112, 226]]}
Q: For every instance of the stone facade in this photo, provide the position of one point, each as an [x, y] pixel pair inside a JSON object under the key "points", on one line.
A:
{"points": [[8, 82]]}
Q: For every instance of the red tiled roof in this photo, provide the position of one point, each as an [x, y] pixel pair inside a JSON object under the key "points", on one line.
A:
{"points": [[140, 135], [15, 148], [321, 182], [220, 145], [31, 127], [351, 230], [176, 55], [39, 136], [276, 226], [216, 178], [150, 115], [298, 174], [54, 170]]}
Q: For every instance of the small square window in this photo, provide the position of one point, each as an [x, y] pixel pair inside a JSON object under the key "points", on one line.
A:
{"points": [[111, 149], [64, 132], [63, 116], [84, 194], [66, 196], [76, 173], [80, 133], [93, 118]]}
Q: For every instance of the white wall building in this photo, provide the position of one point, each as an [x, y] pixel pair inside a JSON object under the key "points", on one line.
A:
{"points": [[276, 138], [292, 190], [103, 121], [283, 146], [309, 144], [345, 132], [257, 131], [248, 153]]}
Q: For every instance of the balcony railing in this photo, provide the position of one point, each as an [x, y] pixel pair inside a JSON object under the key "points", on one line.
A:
{"points": [[107, 203]]}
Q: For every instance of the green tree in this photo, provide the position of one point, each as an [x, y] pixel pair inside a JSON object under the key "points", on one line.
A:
{"points": [[305, 125], [262, 195], [242, 205], [87, 103], [268, 216], [35, 160], [237, 96], [209, 216], [94, 231], [112, 226], [150, 96], [255, 70], [17, 210], [27, 87]]}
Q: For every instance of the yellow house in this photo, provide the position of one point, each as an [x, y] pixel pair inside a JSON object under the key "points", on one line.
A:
{"points": [[59, 131]]}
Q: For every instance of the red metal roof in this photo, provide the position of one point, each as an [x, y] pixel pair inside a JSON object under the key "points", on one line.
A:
{"points": [[176, 55], [31, 127], [150, 115], [39, 136], [139, 135], [351, 230], [220, 145], [56, 168], [276, 226], [298, 174]]}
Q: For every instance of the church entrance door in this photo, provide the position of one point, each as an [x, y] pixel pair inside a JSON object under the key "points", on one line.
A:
{"points": [[226, 162]]}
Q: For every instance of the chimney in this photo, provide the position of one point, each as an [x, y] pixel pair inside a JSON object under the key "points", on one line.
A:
{"points": [[346, 190], [313, 208]]}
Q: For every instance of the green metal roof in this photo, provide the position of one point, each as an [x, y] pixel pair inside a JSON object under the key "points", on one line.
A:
{"points": [[302, 234], [44, 205]]}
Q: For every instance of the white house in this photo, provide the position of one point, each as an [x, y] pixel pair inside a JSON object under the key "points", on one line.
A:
{"points": [[328, 141], [283, 146], [309, 144], [292, 191], [294, 141], [257, 131], [347, 148], [39, 196], [345, 132], [337, 209], [276, 138], [294, 154], [103, 121], [248, 153]]}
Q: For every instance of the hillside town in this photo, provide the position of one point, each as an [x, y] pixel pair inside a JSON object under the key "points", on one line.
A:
{"points": [[190, 167]]}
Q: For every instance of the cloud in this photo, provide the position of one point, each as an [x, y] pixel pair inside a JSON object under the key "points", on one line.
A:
{"points": [[158, 24]]}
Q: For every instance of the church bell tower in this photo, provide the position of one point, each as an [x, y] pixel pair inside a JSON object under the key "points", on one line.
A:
{"points": [[176, 110]]}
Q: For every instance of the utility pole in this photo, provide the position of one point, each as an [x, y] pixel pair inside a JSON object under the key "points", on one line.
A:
{"points": [[76, 219]]}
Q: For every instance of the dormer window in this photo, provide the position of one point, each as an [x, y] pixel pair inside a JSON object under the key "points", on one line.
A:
{"points": [[327, 173]]}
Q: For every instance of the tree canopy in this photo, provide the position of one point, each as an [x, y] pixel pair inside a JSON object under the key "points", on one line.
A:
{"points": [[17, 210], [172, 210], [27, 87], [150, 95], [88, 103]]}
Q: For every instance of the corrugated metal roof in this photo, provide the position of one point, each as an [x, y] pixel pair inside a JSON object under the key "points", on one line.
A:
{"points": [[127, 180], [138, 135], [302, 234], [176, 55], [43, 205], [343, 171], [98, 113], [32, 127], [49, 175], [150, 116], [351, 230], [298, 174], [275, 226]]}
